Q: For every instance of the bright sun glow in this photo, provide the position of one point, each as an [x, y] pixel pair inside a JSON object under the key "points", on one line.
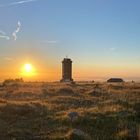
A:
{"points": [[28, 70]]}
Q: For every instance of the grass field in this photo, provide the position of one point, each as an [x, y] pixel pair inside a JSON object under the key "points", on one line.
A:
{"points": [[81, 111]]}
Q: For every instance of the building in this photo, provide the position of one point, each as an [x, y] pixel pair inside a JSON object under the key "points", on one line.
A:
{"points": [[115, 80], [66, 70]]}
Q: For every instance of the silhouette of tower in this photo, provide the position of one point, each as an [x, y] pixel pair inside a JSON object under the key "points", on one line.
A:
{"points": [[66, 70]]}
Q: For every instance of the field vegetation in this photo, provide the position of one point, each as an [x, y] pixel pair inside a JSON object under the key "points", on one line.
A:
{"points": [[80, 111]]}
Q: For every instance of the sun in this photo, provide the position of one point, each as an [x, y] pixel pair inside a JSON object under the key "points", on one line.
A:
{"points": [[28, 70]]}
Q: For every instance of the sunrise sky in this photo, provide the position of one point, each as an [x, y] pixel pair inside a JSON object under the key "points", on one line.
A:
{"points": [[102, 37]]}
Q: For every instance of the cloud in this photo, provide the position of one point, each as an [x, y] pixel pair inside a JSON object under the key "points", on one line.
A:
{"points": [[17, 3], [50, 41], [4, 36], [14, 34], [112, 49], [22, 2], [8, 58]]}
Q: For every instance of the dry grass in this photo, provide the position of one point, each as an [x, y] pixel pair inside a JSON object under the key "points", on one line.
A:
{"points": [[39, 111]]}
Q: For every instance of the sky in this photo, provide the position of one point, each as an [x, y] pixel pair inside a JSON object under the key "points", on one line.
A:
{"points": [[102, 37]]}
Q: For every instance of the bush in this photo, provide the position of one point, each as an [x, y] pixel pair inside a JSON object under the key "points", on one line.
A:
{"points": [[12, 82]]}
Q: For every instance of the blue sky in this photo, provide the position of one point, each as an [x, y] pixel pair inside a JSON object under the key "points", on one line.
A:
{"points": [[101, 36]]}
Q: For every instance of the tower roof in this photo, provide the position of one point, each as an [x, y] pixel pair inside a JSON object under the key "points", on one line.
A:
{"points": [[67, 60]]}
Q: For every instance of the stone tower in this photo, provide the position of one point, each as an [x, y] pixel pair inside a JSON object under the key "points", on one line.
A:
{"points": [[66, 70]]}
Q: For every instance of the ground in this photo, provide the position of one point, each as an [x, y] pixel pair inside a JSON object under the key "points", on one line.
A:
{"points": [[42, 111]]}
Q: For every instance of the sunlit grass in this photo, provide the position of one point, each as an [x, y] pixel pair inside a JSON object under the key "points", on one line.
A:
{"points": [[40, 110]]}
